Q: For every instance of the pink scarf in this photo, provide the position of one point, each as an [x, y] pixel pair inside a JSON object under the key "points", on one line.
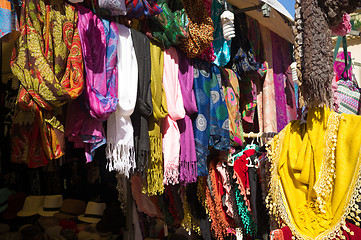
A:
{"points": [[171, 134]]}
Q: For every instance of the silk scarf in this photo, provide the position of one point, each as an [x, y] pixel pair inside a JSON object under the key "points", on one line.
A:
{"points": [[188, 157], [170, 130], [120, 142], [231, 91], [99, 40], [154, 181], [211, 127], [49, 64], [144, 107], [142, 8], [315, 174]]}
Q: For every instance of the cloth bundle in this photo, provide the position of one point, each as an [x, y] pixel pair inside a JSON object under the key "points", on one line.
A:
{"points": [[49, 65]]}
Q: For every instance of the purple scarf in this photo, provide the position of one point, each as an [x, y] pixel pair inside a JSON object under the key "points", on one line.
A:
{"points": [[188, 157], [86, 115]]}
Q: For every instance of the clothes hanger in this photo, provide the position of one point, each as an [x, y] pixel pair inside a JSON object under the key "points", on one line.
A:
{"points": [[304, 117]]}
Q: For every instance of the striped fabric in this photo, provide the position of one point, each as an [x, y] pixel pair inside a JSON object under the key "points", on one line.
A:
{"points": [[348, 94]]}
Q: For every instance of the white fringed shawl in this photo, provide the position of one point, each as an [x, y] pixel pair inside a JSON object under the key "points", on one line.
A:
{"points": [[120, 143]]}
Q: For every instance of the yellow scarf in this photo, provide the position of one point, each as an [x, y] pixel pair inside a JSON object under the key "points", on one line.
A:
{"points": [[315, 174]]}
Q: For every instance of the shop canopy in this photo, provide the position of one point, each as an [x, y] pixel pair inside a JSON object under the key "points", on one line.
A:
{"points": [[279, 21]]}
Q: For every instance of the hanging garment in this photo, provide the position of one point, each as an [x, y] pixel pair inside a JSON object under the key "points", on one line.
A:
{"points": [[112, 7], [85, 116], [282, 74], [175, 106], [211, 127], [144, 107], [9, 26], [231, 91], [154, 179], [222, 47], [314, 171], [200, 29], [120, 141], [188, 157], [49, 65], [142, 8]]}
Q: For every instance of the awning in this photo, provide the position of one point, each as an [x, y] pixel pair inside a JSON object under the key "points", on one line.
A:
{"points": [[280, 20]]}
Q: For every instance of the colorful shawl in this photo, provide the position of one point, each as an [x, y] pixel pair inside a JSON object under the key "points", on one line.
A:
{"points": [[49, 65], [140, 8], [120, 141], [155, 166], [232, 93], [144, 107], [188, 157], [222, 47], [211, 128], [315, 173], [99, 40], [170, 130], [9, 26]]}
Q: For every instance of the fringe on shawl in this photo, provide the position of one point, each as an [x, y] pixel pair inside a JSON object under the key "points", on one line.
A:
{"points": [[142, 161], [120, 158], [189, 223], [154, 183], [188, 172], [122, 191], [171, 176]]}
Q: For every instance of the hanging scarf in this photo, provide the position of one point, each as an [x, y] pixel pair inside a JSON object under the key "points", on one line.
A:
{"points": [[143, 108], [231, 91], [99, 40], [211, 128], [188, 157], [141, 8], [171, 134], [120, 141], [315, 174], [155, 169], [49, 66]]}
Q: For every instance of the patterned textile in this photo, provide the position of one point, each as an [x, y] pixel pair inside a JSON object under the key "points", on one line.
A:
{"points": [[211, 128], [169, 28], [222, 47], [200, 29], [232, 95], [9, 27], [282, 75], [49, 66], [349, 95], [140, 8], [339, 66], [248, 99], [99, 98]]}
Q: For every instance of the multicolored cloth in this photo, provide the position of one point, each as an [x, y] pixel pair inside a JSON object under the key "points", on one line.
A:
{"points": [[232, 96], [9, 27], [99, 40], [142, 8], [49, 65], [211, 128]]}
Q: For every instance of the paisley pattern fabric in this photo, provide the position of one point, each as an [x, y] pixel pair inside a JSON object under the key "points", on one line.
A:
{"points": [[142, 8], [49, 65], [211, 127], [99, 39]]}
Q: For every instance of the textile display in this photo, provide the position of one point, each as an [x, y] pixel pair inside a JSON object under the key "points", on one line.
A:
{"points": [[169, 27], [154, 181], [188, 157], [211, 128], [222, 47], [315, 174], [49, 66], [144, 106], [175, 106], [86, 114], [9, 26], [120, 141], [142, 8], [200, 29]]}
